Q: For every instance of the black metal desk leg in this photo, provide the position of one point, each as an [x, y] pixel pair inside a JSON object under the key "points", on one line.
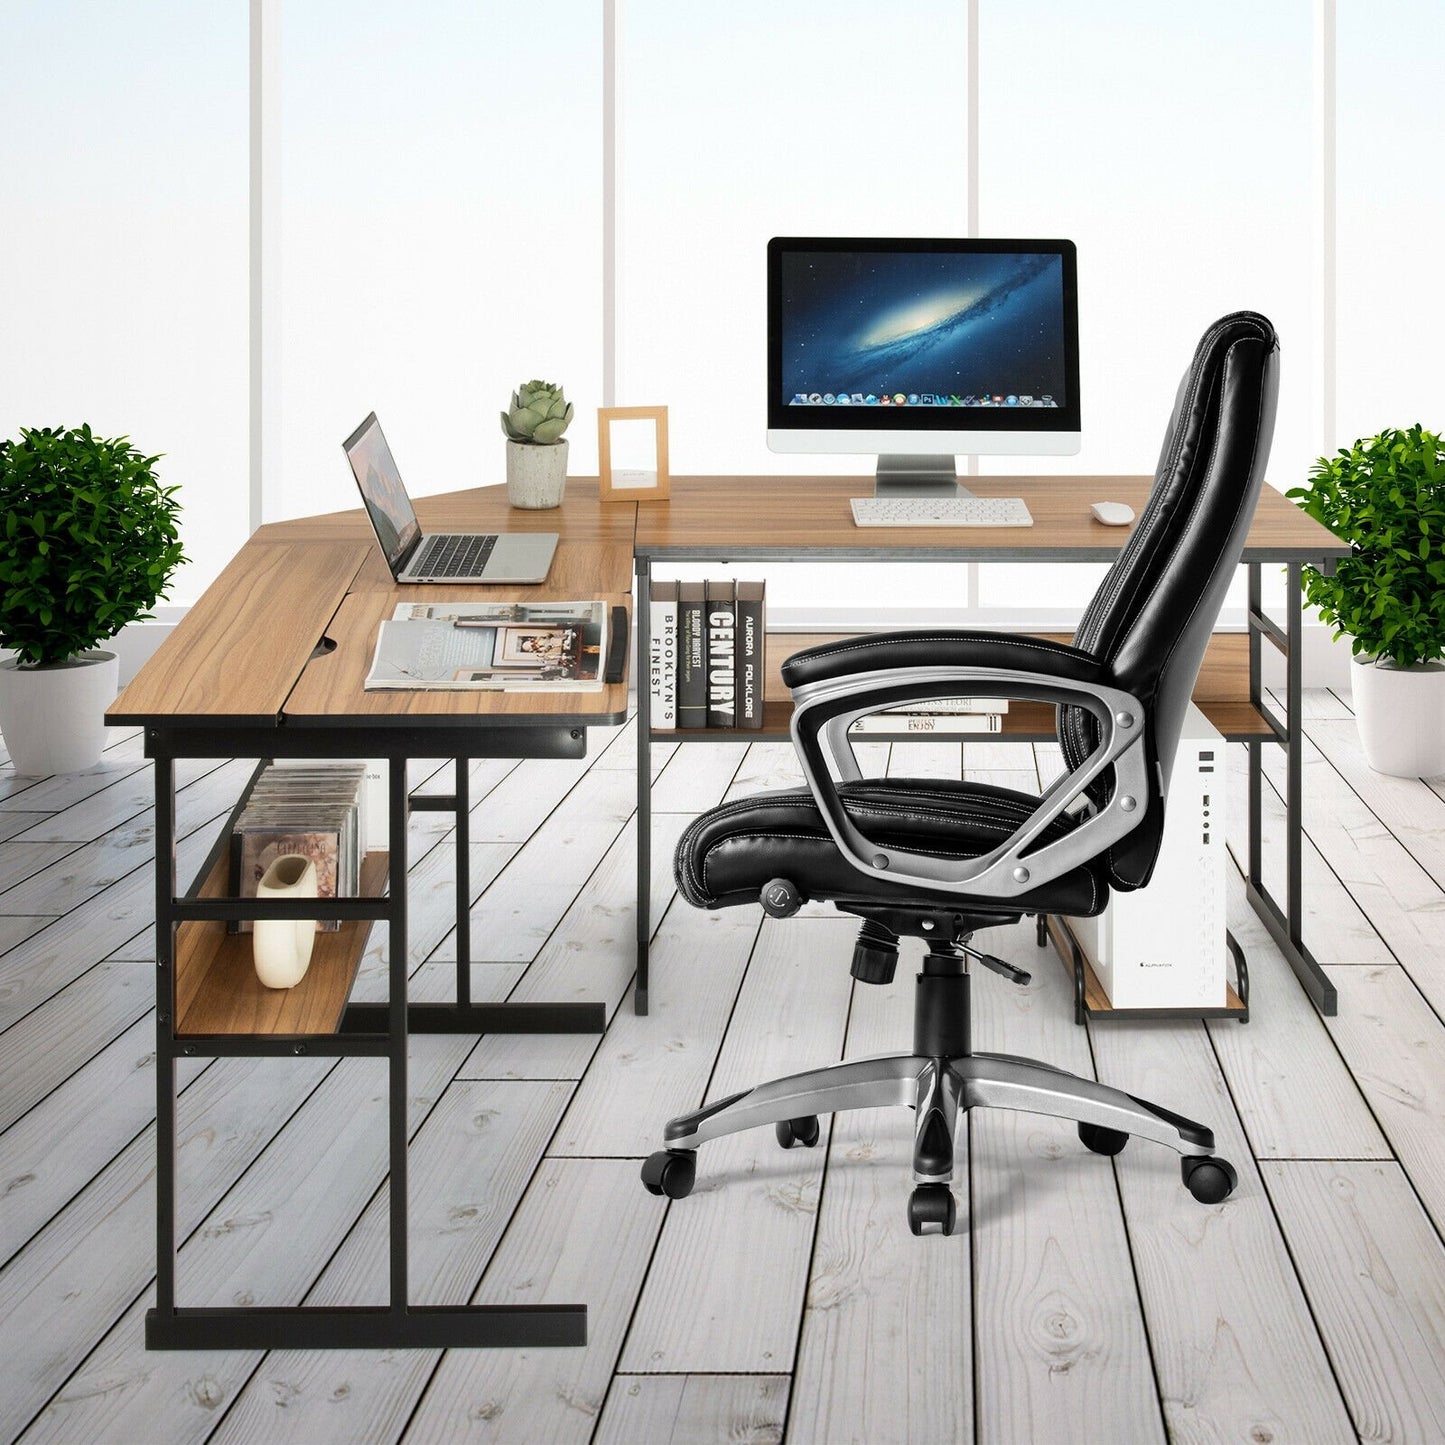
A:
{"points": [[462, 794], [1294, 759], [1285, 925], [396, 1021], [642, 607], [1255, 864], [165, 883]]}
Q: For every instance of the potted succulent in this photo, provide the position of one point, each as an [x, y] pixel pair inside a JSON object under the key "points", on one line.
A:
{"points": [[89, 543], [536, 448], [1385, 496]]}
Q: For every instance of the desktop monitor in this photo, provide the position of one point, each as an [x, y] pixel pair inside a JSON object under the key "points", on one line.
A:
{"points": [[919, 350]]}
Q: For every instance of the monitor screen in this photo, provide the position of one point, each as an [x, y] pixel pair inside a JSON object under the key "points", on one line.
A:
{"points": [[958, 345]]}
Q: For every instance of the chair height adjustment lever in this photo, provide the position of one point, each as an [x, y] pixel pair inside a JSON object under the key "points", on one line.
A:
{"points": [[1010, 971]]}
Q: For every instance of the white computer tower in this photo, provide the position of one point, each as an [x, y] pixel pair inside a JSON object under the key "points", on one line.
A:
{"points": [[1163, 946]]}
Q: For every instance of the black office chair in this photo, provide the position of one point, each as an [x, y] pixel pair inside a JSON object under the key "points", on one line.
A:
{"points": [[938, 860]]}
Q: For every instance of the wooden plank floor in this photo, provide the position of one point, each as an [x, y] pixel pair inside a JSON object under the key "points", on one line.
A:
{"points": [[1087, 1300]]}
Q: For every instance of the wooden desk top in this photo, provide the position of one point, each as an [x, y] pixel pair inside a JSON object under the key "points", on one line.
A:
{"points": [[594, 553], [782, 518], [244, 653]]}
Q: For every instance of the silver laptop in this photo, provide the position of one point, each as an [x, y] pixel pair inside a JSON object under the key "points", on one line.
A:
{"points": [[442, 556]]}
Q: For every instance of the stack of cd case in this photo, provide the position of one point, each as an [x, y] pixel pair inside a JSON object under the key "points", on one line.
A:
{"points": [[311, 809]]}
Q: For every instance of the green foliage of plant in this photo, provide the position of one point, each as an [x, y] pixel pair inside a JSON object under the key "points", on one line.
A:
{"points": [[540, 413], [1385, 496], [90, 541]]}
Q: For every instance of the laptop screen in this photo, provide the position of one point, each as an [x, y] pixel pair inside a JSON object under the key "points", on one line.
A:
{"points": [[381, 489]]}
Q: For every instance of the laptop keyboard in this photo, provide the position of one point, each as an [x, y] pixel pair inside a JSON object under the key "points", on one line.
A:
{"points": [[454, 555]]}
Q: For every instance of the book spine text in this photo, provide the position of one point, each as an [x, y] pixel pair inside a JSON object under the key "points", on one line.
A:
{"points": [[662, 654], [721, 656]]}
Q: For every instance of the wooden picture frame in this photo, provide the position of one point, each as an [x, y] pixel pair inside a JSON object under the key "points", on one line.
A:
{"points": [[632, 485]]}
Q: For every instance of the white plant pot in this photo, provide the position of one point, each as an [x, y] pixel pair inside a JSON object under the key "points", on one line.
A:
{"points": [[1400, 712], [282, 946], [53, 717], [536, 474]]}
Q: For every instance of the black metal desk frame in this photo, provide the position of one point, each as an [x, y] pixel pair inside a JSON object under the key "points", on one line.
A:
{"points": [[1284, 922], [378, 1030]]}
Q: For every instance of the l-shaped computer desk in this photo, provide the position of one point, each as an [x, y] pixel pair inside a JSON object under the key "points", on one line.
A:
{"points": [[270, 662]]}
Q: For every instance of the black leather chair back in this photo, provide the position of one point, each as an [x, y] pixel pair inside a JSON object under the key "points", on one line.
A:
{"points": [[1152, 617]]}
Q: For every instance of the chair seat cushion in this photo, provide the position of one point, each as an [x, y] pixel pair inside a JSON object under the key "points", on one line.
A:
{"points": [[726, 856]]}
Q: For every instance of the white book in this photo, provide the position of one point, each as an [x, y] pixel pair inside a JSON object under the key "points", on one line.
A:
{"points": [[928, 724], [956, 704], [662, 654]]}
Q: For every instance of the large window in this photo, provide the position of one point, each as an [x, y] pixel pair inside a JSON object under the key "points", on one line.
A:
{"points": [[1172, 144], [752, 119], [442, 212], [123, 243], [1391, 285], [441, 235], [743, 121]]}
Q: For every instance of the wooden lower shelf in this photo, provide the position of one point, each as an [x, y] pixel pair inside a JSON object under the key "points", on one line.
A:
{"points": [[1024, 722], [1222, 693], [217, 991]]}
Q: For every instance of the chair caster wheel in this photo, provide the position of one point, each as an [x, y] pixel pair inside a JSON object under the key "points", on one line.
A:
{"points": [[671, 1172], [803, 1131], [1207, 1178], [931, 1209], [1102, 1140]]}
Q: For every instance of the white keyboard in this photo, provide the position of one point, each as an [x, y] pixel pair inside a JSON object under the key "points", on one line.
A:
{"points": [[941, 512]]}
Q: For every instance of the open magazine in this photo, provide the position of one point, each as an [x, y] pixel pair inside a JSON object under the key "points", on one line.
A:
{"points": [[469, 646]]}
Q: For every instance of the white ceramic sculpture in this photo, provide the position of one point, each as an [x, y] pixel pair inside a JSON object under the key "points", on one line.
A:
{"points": [[282, 947]]}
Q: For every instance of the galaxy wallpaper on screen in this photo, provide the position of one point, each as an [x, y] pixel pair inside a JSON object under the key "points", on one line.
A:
{"points": [[939, 329]]}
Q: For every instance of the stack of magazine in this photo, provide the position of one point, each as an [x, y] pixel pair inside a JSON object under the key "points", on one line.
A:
{"points": [[469, 646], [312, 809], [706, 654]]}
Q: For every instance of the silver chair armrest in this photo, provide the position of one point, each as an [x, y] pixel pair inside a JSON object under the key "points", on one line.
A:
{"points": [[823, 711]]}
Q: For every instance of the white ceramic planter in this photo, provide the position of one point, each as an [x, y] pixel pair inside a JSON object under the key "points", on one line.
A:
{"points": [[536, 475], [53, 717], [1400, 712], [282, 947]]}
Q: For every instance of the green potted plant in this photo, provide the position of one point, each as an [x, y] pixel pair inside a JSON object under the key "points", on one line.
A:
{"points": [[1385, 496], [536, 448], [90, 541]]}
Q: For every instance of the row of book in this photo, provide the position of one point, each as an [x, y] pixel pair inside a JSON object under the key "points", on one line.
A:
{"points": [[705, 654], [705, 668], [314, 809]]}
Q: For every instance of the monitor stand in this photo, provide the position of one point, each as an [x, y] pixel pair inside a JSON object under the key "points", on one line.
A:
{"points": [[900, 475]]}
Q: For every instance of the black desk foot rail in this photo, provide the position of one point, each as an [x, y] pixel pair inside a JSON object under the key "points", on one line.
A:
{"points": [[481, 1018], [418, 1327]]}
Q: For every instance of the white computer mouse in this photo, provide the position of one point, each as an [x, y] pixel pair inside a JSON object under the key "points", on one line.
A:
{"points": [[1113, 514]]}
